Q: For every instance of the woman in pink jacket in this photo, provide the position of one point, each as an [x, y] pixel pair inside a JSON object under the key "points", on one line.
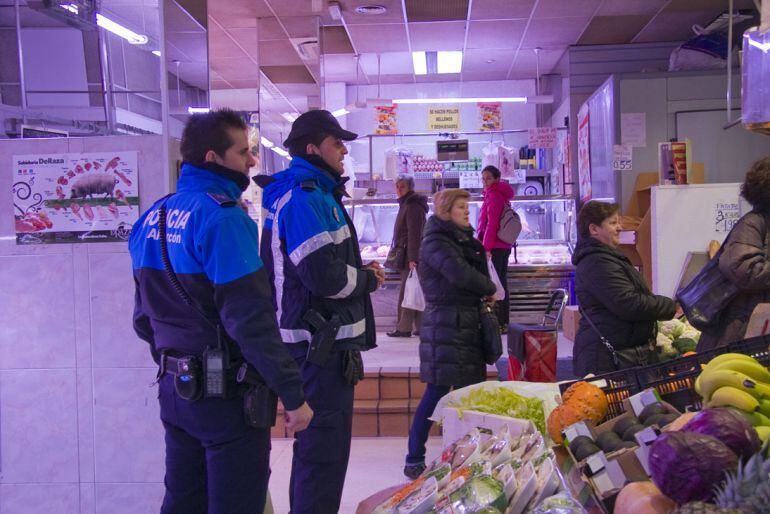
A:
{"points": [[496, 194]]}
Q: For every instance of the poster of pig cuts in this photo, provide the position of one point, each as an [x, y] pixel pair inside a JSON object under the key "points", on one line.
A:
{"points": [[75, 198]]}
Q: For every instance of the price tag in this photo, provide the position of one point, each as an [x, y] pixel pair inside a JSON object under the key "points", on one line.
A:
{"points": [[622, 157], [470, 179]]}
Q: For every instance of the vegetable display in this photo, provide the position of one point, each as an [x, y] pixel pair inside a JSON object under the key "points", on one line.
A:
{"points": [[676, 338], [729, 427], [582, 401], [504, 402]]}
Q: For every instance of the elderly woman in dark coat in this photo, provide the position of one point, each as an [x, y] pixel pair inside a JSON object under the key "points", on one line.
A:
{"points": [[745, 261], [611, 293], [455, 279]]}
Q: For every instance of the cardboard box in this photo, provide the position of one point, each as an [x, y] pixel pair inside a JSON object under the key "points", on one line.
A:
{"points": [[570, 321]]}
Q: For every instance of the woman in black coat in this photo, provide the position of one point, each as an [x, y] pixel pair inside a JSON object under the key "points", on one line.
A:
{"points": [[745, 261], [611, 293], [454, 279]]}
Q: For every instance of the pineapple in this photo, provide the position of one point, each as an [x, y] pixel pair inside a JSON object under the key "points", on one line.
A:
{"points": [[749, 488], [704, 508]]}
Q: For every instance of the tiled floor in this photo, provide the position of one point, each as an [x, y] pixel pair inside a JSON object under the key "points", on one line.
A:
{"points": [[375, 464]]}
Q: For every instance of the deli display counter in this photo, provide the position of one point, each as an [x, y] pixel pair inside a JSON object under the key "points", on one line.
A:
{"points": [[539, 264]]}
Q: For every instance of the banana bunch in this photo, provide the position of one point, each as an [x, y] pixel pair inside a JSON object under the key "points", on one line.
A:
{"points": [[739, 381]]}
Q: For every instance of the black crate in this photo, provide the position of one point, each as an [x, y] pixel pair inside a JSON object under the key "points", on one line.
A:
{"points": [[674, 379], [617, 385]]}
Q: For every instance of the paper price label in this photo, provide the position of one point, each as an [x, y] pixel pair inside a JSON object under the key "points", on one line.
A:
{"points": [[622, 157]]}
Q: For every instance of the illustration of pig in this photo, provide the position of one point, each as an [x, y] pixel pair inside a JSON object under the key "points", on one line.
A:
{"points": [[90, 185]]}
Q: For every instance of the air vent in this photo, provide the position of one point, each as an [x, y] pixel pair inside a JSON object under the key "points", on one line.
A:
{"points": [[307, 48], [371, 10]]}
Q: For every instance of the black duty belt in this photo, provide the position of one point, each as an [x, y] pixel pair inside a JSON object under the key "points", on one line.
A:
{"points": [[181, 366]]}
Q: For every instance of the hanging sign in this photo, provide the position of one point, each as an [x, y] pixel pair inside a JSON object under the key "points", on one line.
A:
{"points": [[490, 116], [542, 137], [75, 198], [444, 118], [584, 157], [385, 119], [452, 150]]}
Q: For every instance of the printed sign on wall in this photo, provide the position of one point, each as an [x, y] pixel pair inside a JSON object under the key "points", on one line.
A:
{"points": [[386, 119], [75, 198], [490, 116], [444, 118], [542, 137]]}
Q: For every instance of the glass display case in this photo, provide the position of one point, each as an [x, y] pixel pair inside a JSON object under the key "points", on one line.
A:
{"points": [[547, 237]]}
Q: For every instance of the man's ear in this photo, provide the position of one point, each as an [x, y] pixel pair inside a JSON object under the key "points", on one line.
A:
{"points": [[311, 149], [211, 156]]}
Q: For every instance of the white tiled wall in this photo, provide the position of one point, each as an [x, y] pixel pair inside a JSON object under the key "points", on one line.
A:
{"points": [[79, 425]]}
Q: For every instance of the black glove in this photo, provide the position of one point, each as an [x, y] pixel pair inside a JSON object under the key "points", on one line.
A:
{"points": [[352, 367]]}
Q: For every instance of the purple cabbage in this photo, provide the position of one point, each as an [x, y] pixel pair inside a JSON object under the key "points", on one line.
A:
{"points": [[729, 426], [687, 466]]}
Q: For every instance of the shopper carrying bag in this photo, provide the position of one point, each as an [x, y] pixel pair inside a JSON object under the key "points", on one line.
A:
{"points": [[498, 228]]}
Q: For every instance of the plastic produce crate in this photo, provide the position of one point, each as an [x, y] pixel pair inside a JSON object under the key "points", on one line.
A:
{"points": [[674, 379], [617, 385]]}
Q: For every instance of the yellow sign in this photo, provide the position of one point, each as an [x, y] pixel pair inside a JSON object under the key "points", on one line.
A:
{"points": [[444, 118]]}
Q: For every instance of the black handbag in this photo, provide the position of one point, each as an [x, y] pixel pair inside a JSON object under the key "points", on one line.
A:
{"points": [[396, 258], [491, 342], [641, 355], [709, 293]]}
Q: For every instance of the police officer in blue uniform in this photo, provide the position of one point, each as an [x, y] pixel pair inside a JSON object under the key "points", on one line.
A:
{"points": [[322, 298], [203, 303]]}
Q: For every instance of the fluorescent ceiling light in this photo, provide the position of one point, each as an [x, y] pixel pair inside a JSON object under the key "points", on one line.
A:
{"points": [[450, 62], [119, 30], [280, 151], [156, 52], [340, 112], [517, 99], [290, 116], [198, 110], [266, 142], [70, 7], [420, 63]]}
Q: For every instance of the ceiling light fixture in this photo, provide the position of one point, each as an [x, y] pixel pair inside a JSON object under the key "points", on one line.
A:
{"points": [[450, 62], [420, 63], [119, 30], [514, 99], [266, 142], [156, 53], [198, 110], [290, 116], [371, 10], [340, 112], [280, 151]]}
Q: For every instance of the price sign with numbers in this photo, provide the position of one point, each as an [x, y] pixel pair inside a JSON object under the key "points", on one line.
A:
{"points": [[622, 157]]}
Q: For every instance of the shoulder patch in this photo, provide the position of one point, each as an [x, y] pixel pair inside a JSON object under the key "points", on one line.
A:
{"points": [[222, 200], [308, 185]]}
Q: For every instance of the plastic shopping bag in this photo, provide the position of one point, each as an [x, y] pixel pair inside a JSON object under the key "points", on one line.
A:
{"points": [[413, 297], [500, 293]]}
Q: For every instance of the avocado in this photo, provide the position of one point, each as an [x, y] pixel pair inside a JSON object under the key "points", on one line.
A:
{"points": [[578, 442], [628, 435], [586, 450], [608, 441], [652, 409], [655, 419], [627, 444], [668, 418], [623, 424]]}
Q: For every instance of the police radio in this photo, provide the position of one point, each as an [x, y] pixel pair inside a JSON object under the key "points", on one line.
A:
{"points": [[214, 373]]}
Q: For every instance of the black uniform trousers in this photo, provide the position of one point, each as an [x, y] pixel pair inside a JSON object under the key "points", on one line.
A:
{"points": [[215, 462], [322, 450]]}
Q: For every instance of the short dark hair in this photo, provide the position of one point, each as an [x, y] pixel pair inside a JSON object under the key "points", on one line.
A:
{"points": [[298, 147], [493, 170], [208, 131], [756, 186], [594, 213]]}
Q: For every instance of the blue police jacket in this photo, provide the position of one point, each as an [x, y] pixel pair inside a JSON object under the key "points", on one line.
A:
{"points": [[213, 248], [310, 248]]}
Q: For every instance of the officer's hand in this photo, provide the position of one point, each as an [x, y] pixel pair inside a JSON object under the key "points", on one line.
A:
{"points": [[297, 420]]}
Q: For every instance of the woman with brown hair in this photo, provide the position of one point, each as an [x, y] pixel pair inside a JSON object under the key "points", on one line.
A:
{"points": [[454, 279], [745, 261], [614, 299]]}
